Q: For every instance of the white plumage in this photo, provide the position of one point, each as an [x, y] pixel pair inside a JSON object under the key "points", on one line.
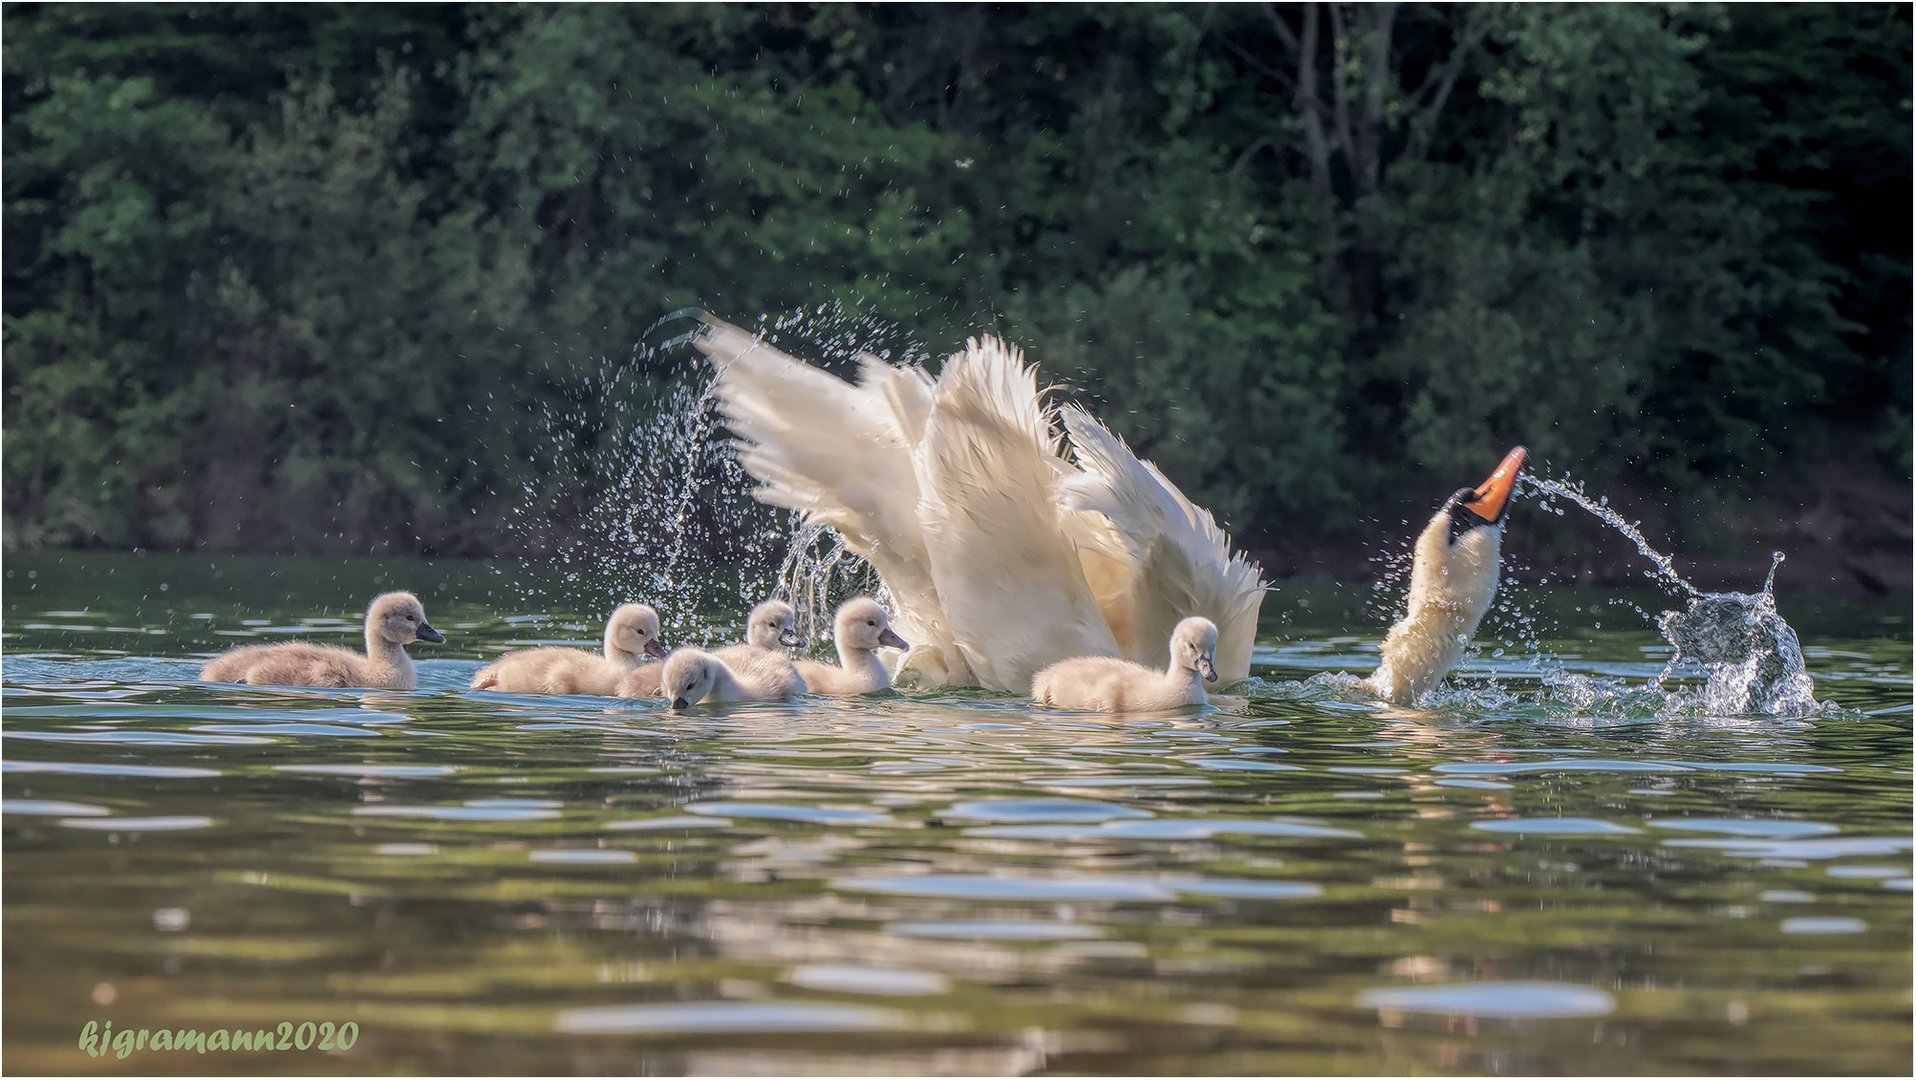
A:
{"points": [[1001, 554], [1453, 578]]}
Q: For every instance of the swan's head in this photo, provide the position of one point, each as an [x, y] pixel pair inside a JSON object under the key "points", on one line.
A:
{"points": [[399, 617], [634, 629], [689, 675], [772, 626], [1484, 506], [862, 624], [1194, 647], [1459, 552]]}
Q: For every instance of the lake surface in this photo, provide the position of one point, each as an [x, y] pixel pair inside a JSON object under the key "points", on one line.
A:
{"points": [[1541, 875]]}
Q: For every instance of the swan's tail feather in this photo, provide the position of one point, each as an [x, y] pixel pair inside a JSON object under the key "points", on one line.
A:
{"points": [[1182, 562]]}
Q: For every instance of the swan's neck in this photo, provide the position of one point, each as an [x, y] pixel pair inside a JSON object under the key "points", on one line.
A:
{"points": [[1185, 680], [1451, 586], [725, 686], [389, 661], [864, 663], [617, 655], [1182, 674]]}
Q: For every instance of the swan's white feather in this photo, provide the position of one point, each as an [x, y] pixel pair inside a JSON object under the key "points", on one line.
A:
{"points": [[1007, 572], [1001, 556], [1181, 563], [838, 453]]}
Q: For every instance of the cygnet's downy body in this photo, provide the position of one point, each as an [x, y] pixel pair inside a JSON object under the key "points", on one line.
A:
{"points": [[1108, 684], [393, 621], [694, 676], [631, 637], [859, 630]]}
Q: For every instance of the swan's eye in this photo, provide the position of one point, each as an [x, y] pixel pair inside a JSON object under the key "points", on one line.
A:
{"points": [[871, 622]]}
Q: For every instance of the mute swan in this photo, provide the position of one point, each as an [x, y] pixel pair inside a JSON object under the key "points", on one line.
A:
{"points": [[1107, 684], [769, 631], [859, 629], [631, 635], [1001, 555], [691, 676], [1453, 578], [771, 628], [392, 620]]}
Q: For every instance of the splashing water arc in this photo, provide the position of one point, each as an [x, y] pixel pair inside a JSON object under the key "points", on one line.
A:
{"points": [[1750, 655]]}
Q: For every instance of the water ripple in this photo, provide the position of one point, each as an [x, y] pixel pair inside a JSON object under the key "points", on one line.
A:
{"points": [[1500, 1000], [1562, 826], [1050, 811], [724, 1016]]}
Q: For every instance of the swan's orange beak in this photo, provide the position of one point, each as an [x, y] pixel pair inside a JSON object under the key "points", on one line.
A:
{"points": [[1491, 498]]}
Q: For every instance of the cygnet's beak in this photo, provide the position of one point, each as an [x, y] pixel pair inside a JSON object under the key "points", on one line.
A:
{"points": [[1490, 500], [790, 639], [1207, 669], [893, 640], [679, 704], [656, 649], [427, 633]]}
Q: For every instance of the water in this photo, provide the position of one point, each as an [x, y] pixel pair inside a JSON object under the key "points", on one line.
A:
{"points": [[1507, 882], [642, 497], [1750, 655]]}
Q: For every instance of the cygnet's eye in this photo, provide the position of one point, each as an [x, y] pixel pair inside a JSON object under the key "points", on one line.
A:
{"points": [[871, 622]]}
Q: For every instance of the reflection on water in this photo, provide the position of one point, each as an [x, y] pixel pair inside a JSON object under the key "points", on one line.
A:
{"points": [[952, 883]]}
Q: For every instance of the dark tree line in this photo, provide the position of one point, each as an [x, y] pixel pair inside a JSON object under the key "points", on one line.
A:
{"points": [[308, 277]]}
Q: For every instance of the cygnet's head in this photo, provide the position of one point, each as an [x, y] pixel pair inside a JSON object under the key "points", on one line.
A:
{"points": [[634, 629], [862, 624], [771, 626], [1194, 647], [398, 618], [688, 676]]}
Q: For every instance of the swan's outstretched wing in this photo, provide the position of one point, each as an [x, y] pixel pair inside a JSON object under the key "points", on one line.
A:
{"points": [[838, 453], [1181, 562], [1005, 565]]}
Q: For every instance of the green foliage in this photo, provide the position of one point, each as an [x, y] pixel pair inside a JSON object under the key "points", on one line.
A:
{"points": [[316, 277]]}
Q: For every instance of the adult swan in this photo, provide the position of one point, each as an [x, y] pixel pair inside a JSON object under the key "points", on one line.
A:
{"points": [[1004, 555], [1005, 546]]}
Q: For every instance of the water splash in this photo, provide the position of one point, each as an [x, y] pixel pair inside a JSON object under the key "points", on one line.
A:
{"points": [[642, 497], [1600, 507], [1750, 656], [820, 572]]}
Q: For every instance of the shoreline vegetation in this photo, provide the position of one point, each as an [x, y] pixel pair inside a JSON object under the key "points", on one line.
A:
{"points": [[370, 278]]}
